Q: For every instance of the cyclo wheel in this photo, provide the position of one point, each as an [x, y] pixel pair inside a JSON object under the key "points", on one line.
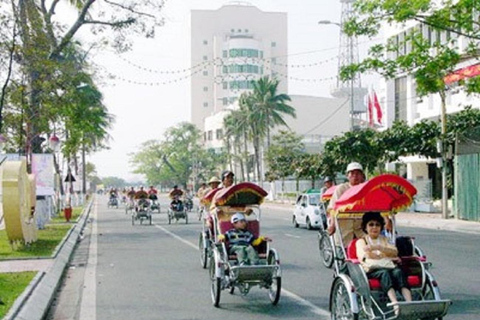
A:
{"points": [[216, 284], [169, 214], [203, 251], [325, 247], [276, 287], [340, 302], [186, 217], [133, 219], [150, 218]]}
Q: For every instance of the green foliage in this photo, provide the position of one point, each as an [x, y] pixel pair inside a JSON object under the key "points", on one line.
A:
{"points": [[114, 182], [176, 158], [285, 148]]}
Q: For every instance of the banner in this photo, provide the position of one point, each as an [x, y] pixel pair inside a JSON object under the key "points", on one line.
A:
{"points": [[42, 167]]}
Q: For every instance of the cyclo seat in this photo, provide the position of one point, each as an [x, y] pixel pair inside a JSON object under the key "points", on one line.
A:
{"points": [[254, 227], [410, 266]]}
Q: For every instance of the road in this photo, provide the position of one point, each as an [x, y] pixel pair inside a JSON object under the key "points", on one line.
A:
{"points": [[122, 271]]}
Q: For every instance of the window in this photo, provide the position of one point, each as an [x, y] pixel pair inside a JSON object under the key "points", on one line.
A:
{"points": [[225, 85], [209, 135], [274, 44], [225, 54], [225, 69], [205, 136], [205, 89], [205, 42], [205, 58], [205, 104], [225, 101], [205, 73], [219, 134], [274, 60], [401, 99]]}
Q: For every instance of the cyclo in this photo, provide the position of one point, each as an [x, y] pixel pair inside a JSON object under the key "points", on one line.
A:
{"points": [[177, 210], [355, 296], [225, 273], [325, 242], [142, 211], [205, 243]]}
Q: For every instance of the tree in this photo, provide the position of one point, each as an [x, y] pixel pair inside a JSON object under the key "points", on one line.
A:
{"points": [[280, 157], [270, 106], [428, 56], [177, 158], [44, 45]]}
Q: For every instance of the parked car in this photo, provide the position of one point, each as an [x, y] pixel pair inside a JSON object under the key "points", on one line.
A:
{"points": [[308, 210]]}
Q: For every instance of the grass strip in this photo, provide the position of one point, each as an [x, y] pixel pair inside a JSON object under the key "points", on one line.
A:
{"points": [[12, 285], [48, 239]]}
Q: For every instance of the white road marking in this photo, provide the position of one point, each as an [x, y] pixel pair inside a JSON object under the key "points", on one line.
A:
{"points": [[324, 314], [89, 295], [188, 243], [319, 311], [292, 236]]}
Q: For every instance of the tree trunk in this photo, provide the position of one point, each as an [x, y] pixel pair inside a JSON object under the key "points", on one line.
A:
{"points": [[245, 147], [443, 151]]}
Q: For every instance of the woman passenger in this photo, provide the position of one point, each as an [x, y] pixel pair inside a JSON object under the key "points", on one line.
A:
{"points": [[377, 256]]}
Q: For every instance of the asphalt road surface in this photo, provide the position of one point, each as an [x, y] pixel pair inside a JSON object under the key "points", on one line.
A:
{"points": [[124, 271]]}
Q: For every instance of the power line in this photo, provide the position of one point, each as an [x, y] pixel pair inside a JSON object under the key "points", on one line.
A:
{"points": [[329, 117]]}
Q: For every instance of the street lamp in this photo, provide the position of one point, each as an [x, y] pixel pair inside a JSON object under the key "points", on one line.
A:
{"points": [[350, 61]]}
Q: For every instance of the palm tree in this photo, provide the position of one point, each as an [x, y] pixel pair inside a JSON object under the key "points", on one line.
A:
{"points": [[270, 106]]}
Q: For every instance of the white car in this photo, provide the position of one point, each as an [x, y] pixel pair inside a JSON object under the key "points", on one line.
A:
{"points": [[308, 210]]}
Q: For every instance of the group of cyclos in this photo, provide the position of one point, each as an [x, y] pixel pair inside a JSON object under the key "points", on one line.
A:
{"points": [[141, 203], [378, 273]]}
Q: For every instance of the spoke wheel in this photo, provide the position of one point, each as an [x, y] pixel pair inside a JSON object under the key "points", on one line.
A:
{"points": [[276, 287], [186, 217], [326, 251], [216, 285], [169, 217], [203, 251], [341, 307], [133, 219]]}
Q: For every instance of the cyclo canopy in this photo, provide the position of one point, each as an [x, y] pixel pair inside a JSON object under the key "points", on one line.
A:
{"points": [[384, 193]]}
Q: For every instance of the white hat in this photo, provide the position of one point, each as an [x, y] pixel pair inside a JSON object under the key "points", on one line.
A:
{"points": [[354, 166], [237, 217]]}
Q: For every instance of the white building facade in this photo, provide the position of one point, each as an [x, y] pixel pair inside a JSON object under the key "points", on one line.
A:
{"points": [[230, 48], [402, 102]]}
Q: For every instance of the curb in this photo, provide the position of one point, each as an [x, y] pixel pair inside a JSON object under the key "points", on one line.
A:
{"points": [[33, 304]]}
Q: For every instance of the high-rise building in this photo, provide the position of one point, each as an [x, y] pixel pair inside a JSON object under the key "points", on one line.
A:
{"points": [[232, 47]]}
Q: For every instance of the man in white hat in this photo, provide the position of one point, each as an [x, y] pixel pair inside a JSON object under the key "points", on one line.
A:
{"points": [[350, 228]]}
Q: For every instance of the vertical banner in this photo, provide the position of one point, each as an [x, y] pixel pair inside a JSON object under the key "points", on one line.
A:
{"points": [[42, 168]]}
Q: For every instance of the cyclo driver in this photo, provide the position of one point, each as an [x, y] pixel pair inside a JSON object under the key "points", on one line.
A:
{"points": [[141, 196], [152, 194]]}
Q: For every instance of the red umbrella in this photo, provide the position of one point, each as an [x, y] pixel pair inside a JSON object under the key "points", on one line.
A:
{"points": [[386, 192], [207, 199]]}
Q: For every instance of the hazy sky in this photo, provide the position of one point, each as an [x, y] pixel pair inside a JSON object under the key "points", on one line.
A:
{"points": [[144, 107]]}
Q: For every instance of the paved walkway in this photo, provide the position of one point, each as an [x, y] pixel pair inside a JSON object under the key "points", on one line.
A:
{"points": [[26, 265]]}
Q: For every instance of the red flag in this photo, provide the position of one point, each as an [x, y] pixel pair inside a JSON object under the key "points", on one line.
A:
{"points": [[370, 110], [377, 107]]}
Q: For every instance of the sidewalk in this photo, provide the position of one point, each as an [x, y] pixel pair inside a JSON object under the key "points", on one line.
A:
{"points": [[413, 219]]}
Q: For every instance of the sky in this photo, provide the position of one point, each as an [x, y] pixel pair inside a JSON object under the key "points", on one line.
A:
{"points": [[146, 102]]}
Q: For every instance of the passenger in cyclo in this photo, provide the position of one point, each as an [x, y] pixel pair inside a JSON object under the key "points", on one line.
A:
{"points": [[141, 197], [227, 181], [241, 241], [379, 258], [202, 191], [175, 194], [176, 204]]}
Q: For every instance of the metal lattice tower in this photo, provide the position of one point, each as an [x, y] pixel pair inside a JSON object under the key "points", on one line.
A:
{"points": [[348, 54]]}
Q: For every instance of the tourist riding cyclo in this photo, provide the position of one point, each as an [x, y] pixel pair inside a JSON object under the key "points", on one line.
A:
{"points": [[113, 198], [177, 208], [240, 257], [142, 207], [377, 273]]}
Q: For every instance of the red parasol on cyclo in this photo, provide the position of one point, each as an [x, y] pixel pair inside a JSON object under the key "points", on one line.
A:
{"points": [[386, 192]]}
